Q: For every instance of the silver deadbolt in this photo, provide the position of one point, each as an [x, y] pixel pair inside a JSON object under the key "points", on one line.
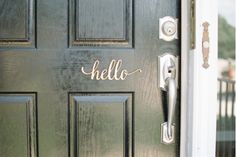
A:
{"points": [[168, 28]]}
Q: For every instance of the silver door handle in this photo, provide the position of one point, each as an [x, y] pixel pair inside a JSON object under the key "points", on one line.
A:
{"points": [[171, 101], [168, 68]]}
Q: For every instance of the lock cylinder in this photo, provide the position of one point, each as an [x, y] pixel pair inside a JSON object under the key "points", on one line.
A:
{"points": [[168, 28]]}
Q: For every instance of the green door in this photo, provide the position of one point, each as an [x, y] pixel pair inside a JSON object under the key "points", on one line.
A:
{"points": [[79, 78]]}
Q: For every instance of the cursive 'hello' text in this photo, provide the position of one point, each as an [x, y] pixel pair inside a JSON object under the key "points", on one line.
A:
{"points": [[113, 72]]}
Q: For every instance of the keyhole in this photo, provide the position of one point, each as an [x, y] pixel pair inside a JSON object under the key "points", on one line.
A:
{"points": [[169, 28]]}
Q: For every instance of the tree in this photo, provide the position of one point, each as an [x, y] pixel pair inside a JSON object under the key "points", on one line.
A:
{"points": [[226, 39]]}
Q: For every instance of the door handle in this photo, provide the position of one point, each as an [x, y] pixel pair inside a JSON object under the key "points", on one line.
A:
{"points": [[171, 101], [168, 68]]}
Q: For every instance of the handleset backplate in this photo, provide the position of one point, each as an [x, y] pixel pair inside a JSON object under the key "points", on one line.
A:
{"points": [[165, 61], [164, 136]]}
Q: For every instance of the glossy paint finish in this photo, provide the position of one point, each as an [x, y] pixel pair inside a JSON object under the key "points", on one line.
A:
{"points": [[78, 116]]}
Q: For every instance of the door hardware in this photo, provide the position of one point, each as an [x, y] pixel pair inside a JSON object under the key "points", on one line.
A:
{"points": [[166, 61], [205, 45], [192, 24], [168, 28], [168, 71]]}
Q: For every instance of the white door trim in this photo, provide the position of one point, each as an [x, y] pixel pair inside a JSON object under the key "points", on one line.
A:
{"points": [[198, 85]]}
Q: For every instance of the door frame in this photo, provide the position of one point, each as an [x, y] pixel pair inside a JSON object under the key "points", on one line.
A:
{"points": [[198, 85]]}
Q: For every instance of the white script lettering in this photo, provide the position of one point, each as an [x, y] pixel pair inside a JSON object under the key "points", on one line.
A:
{"points": [[113, 72]]}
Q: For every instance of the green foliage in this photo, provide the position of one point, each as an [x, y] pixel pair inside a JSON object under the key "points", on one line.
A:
{"points": [[226, 39]]}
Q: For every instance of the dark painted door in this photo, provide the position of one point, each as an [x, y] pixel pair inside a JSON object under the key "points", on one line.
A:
{"points": [[78, 78]]}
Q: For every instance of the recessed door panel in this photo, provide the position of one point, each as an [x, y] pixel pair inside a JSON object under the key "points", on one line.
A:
{"points": [[18, 131], [17, 23], [100, 124], [104, 23]]}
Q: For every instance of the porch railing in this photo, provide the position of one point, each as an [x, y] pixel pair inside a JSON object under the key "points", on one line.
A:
{"points": [[225, 139]]}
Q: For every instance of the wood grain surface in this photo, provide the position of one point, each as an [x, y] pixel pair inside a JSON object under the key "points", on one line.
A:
{"points": [[53, 71]]}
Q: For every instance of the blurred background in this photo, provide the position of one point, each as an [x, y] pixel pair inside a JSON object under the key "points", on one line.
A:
{"points": [[225, 141]]}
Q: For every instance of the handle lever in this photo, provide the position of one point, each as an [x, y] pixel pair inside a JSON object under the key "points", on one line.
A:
{"points": [[172, 94]]}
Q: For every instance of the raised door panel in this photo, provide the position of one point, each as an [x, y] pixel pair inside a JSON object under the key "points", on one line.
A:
{"points": [[17, 26], [18, 129], [103, 23], [100, 124]]}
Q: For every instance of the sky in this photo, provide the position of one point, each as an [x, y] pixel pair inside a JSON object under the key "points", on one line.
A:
{"points": [[227, 9]]}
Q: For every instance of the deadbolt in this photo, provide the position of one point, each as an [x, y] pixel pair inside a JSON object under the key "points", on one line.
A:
{"points": [[168, 28]]}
